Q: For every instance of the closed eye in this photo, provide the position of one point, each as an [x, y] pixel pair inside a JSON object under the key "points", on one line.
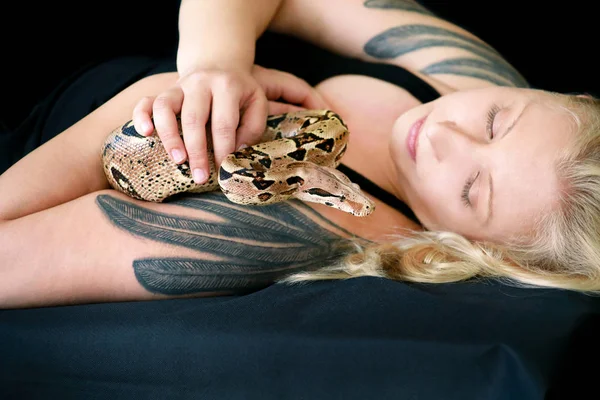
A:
{"points": [[467, 188], [491, 116], [490, 120]]}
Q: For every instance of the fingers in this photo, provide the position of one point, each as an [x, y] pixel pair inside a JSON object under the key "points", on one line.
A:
{"points": [[276, 107], [224, 121], [236, 103], [142, 116], [279, 85], [165, 109], [253, 120], [194, 116]]}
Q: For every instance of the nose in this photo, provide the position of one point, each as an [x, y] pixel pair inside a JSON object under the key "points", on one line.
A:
{"points": [[449, 141]]}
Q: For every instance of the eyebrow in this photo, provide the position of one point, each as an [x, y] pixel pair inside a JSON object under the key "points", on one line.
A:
{"points": [[510, 128], [491, 183]]}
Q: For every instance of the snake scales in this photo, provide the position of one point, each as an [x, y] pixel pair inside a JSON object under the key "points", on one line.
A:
{"points": [[296, 158]]}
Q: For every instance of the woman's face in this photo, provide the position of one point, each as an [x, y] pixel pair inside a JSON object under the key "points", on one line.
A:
{"points": [[485, 160]]}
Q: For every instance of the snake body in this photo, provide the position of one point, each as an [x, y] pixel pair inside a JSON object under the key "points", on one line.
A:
{"points": [[296, 157]]}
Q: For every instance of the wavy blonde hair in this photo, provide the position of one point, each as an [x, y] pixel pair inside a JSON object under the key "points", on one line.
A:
{"points": [[564, 251]]}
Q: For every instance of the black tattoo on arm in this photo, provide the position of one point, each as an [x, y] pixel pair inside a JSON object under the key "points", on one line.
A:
{"points": [[404, 5], [486, 63], [256, 246]]}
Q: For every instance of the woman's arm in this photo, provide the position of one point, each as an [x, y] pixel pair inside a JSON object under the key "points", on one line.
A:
{"points": [[69, 165], [217, 40], [221, 33], [105, 246], [400, 32]]}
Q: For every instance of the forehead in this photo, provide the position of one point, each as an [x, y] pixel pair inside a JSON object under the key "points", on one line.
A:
{"points": [[525, 182], [506, 94]]}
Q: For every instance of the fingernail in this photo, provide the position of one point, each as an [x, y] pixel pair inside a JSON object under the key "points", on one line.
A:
{"points": [[199, 175], [177, 156], [242, 146]]}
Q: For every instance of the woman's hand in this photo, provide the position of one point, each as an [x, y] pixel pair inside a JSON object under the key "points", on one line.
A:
{"points": [[237, 104]]}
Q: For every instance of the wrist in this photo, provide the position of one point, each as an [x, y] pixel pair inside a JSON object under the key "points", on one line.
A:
{"points": [[187, 65], [240, 57]]}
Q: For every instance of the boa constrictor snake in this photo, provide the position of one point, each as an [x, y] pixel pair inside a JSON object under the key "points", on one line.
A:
{"points": [[296, 158]]}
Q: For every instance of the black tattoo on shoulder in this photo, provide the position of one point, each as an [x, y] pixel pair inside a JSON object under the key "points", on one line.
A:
{"points": [[255, 247], [485, 62], [404, 5]]}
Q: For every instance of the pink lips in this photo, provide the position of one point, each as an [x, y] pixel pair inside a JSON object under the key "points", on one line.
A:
{"points": [[413, 137]]}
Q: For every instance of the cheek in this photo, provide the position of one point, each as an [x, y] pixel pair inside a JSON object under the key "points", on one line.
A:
{"points": [[438, 202], [395, 142], [430, 200], [407, 118]]}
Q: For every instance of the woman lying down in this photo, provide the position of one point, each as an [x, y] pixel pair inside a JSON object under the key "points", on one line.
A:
{"points": [[497, 180]]}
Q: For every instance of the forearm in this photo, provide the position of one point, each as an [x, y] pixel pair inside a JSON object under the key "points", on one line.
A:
{"points": [[221, 33], [107, 247], [77, 253], [399, 32], [65, 255]]}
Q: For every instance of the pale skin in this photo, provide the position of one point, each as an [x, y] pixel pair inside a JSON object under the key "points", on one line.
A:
{"points": [[77, 262], [502, 144]]}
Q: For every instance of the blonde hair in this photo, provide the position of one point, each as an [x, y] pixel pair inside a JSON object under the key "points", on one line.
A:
{"points": [[564, 251]]}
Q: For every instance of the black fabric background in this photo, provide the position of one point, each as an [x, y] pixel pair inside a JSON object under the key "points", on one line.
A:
{"points": [[362, 339], [554, 45]]}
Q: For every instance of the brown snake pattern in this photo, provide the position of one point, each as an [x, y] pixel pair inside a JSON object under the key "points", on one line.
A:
{"points": [[296, 157]]}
